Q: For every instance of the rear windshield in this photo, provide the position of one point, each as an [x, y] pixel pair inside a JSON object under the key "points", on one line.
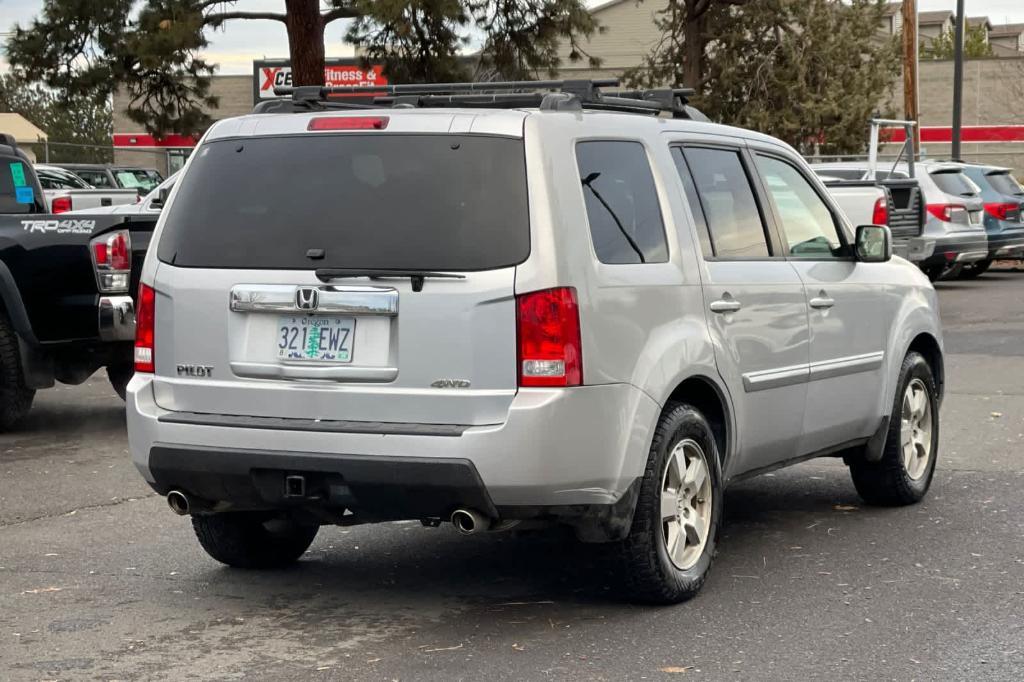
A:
{"points": [[142, 180], [17, 194], [841, 173], [432, 202], [1004, 183], [955, 183]]}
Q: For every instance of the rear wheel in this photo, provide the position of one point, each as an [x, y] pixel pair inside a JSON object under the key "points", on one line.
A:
{"points": [[670, 546], [972, 270], [15, 397], [252, 539], [904, 473], [119, 376]]}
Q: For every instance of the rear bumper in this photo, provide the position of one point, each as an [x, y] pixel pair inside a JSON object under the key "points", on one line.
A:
{"points": [[558, 447], [958, 248], [116, 318], [1006, 244]]}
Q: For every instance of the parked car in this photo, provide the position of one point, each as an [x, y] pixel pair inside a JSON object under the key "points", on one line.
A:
{"points": [[1004, 214], [151, 204], [954, 213], [539, 313], [65, 191], [104, 176], [65, 288]]}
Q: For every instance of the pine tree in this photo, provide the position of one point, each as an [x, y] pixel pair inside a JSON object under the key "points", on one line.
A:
{"points": [[975, 44], [153, 50]]}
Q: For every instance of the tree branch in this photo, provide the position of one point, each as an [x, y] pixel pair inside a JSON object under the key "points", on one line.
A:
{"points": [[221, 17], [339, 13]]}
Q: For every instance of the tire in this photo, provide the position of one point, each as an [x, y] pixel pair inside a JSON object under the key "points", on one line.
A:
{"points": [[119, 376], [649, 574], [903, 476], [973, 270], [252, 539], [15, 397]]}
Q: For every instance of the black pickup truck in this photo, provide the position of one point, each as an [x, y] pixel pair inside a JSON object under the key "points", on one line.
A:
{"points": [[66, 287]]}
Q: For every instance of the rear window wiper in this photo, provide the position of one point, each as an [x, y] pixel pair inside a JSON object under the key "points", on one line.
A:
{"points": [[417, 277]]}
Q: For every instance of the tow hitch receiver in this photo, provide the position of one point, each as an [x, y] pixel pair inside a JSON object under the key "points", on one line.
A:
{"points": [[294, 486]]}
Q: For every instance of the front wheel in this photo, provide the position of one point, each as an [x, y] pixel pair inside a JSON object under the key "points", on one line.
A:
{"points": [[904, 473], [252, 539], [668, 552]]}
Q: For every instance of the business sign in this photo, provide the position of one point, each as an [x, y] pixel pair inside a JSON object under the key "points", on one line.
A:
{"points": [[270, 74]]}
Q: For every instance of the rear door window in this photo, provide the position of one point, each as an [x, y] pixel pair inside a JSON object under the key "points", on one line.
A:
{"points": [[16, 192], [954, 182], [377, 201], [727, 198], [622, 203]]}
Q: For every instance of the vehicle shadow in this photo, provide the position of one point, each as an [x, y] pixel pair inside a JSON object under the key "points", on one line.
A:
{"points": [[403, 563]]}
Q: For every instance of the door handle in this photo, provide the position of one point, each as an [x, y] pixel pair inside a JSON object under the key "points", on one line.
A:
{"points": [[822, 301], [725, 305]]}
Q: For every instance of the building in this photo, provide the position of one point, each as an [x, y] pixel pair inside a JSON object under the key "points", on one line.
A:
{"points": [[28, 136], [1007, 39]]}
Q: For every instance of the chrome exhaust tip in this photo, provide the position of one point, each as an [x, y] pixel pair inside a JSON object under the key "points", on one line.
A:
{"points": [[469, 521], [178, 502]]}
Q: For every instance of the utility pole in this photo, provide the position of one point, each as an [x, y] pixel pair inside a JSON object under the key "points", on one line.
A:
{"points": [[958, 78], [910, 111]]}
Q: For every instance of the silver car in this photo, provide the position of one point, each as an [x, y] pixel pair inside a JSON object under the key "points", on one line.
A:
{"points": [[954, 211], [491, 316]]}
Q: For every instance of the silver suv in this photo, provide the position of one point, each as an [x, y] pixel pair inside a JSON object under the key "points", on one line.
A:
{"points": [[565, 310]]}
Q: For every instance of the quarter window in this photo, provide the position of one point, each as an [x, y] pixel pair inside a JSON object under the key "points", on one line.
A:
{"points": [[807, 223], [622, 204], [727, 199]]}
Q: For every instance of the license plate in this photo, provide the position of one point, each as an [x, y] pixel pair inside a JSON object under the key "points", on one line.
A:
{"points": [[315, 337], [974, 217]]}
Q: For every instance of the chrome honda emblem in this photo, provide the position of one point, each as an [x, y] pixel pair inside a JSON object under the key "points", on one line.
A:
{"points": [[307, 298]]}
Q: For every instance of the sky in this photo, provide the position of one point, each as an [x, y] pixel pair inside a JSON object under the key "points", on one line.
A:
{"points": [[239, 42]]}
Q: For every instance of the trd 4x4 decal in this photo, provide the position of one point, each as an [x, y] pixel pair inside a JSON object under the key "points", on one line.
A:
{"points": [[65, 226]]}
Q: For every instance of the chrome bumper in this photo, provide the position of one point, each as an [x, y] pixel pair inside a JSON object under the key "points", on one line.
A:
{"points": [[116, 318]]}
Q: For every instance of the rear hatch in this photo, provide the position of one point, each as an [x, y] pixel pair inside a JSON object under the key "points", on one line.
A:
{"points": [[963, 197], [363, 276], [1009, 210]]}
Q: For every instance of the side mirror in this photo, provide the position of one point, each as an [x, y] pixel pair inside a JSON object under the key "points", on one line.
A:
{"points": [[161, 197], [874, 243]]}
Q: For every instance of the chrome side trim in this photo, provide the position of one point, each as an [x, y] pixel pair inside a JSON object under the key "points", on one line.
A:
{"points": [[263, 370], [775, 378], [116, 318], [344, 300], [826, 369]]}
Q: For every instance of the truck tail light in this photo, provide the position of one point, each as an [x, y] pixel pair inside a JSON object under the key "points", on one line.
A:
{"points": [[348, 123], [1002, 211], [145, 317], [944, 212], [880, 214], [112, 260], [548, 338], [60, 205]]}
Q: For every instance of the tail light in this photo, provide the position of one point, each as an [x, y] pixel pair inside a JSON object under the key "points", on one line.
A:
{"points": [[944, 212], [145, 317], [112, 260], [880, 214], [548, 338], [60, 205], [1003, 211]]}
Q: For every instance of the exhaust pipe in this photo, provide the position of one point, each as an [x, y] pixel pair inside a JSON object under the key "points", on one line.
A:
{"points": [[179, 502], [469, 521]]}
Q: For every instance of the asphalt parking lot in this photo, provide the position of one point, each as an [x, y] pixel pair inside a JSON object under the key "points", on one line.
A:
{"points": [[99, 581]]}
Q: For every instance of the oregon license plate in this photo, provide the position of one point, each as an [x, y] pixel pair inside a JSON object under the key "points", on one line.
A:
{"points": [[315, 337]]}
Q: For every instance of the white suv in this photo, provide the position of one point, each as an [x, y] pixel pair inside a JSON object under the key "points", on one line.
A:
{"points": [[564, 307]]}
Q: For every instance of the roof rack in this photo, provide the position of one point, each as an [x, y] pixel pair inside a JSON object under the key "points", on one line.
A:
{"points": [[548, 95]]}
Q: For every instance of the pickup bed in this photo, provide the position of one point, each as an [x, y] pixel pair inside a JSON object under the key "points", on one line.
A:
{"points": [[65, 191], [896, 202], [66, 285]]}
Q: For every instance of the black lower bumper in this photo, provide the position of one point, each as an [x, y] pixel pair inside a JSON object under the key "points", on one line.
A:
{"points": [[373, 487], [1006, 244], [958, 249]]}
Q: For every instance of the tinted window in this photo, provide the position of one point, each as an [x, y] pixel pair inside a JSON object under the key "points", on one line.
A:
{"points": [[1004, 183], [94, 178], [142, 180], [840, 173], [436, 202], [807, 223], [693, 200], [891, 175], [727, 198], [16, 193], [622, 204], [955, 183], [51, 179]]}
